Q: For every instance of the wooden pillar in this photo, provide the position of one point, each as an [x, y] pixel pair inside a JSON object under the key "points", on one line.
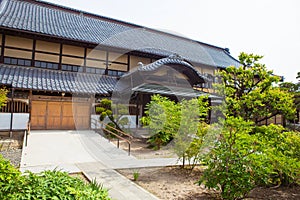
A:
{"points": [[128, 62], [2, 49], [106, 63], [11, 112], [209, 111], [84, 61], [30, 107], [33, 52], [137, 111], [60, 56]]}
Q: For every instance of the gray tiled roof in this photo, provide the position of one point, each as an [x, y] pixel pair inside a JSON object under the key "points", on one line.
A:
{"points": [[171, 90], [54, 80], [38, 18]]}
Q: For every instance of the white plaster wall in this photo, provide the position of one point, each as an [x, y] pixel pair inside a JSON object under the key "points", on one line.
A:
{"points": [[19, 120]]}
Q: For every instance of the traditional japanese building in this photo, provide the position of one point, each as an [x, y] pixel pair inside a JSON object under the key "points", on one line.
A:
{"points": [[58, 62]]}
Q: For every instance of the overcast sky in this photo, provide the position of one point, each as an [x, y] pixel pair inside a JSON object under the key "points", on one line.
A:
{"points": [[266, 27]]}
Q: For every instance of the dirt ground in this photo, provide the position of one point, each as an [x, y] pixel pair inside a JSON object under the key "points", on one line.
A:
{"points": [[141, 150], [175, 183], [170, 183]]}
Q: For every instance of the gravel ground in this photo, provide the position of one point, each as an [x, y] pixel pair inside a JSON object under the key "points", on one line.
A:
{"points": [[14, 155]]}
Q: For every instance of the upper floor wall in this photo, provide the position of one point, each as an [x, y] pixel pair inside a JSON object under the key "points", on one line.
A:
{"points": [[25, 51], [47, 54]]}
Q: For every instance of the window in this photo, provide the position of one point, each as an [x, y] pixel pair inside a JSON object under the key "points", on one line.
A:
{"points": [[46, 65], [115, 73], [72, 68], [17, 61], [95, 70]]}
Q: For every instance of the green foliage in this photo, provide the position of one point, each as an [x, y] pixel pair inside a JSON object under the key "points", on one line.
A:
{"points": [[280, 151], [168, 120], [189, 137], [163, 119], [197, 148], [245, 156], [3, 97], [113, 112], [9, 177], [104, 109], [294, 89], [250, 93], [228, 168], [136, 175], [46, 185], [111, 127]]}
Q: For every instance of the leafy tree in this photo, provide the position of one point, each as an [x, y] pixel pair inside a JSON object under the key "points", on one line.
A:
{"points": [[115, 113], [294, 89], [163, 119], [250, 93], [3, 97], [192, 129], [180, 121], [246, 155]]}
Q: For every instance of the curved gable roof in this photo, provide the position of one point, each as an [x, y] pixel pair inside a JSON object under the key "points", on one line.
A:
{"points": [[176, 62], [57, 21]]}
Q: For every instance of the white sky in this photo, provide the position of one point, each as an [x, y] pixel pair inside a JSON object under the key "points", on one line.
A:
{"points": [[266, 27]]}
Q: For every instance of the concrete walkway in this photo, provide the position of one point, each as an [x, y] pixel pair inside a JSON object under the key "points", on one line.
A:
{"points": [[90, 153]]}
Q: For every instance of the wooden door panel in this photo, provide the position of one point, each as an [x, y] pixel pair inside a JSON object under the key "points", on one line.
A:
{"points": [[82, 115], [60, 115], [54, 115], [54, 109], [53, 123], [38, 115], [67, 116]]}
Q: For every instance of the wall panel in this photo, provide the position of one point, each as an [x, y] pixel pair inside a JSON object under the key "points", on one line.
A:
{"points": [[19, 42], [47, 46], [73, 50], [96, 54], [46, 57], [72, 61], [17, 53]]}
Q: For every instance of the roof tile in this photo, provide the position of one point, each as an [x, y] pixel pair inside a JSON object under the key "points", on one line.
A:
{"points": [[53, 80], [33, 17]]}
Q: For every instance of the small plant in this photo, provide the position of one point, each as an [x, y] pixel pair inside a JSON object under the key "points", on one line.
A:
{"points": [[136, 175]]}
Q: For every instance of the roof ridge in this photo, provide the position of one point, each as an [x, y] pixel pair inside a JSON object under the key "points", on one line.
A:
{"points": [[79, 12], [100, 30], [125, 23]]}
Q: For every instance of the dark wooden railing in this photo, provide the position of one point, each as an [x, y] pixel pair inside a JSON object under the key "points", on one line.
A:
{"points": [[27, 131], [119, 135]]}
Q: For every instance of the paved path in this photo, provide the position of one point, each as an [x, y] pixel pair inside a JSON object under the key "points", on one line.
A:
{"points": [[87, 152]]}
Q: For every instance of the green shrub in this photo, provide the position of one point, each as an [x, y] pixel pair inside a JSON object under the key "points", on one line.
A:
{"points": [[46, 185], [280, 152], [10, 178], [228, 167], [3, 96], [246, 156]]}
